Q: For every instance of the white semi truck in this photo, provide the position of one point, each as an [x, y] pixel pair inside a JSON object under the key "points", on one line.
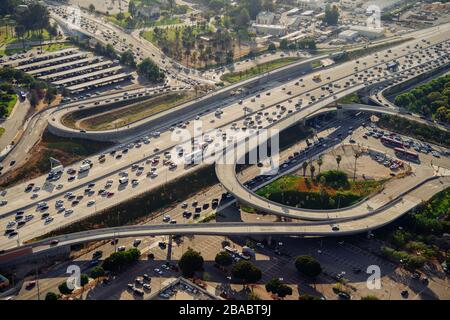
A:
{"points": [[193, 157]]}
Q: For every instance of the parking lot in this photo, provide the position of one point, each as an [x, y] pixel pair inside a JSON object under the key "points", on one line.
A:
{"points": [[76, 70]]}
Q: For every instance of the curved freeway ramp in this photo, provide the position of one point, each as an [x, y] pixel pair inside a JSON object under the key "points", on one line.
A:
{"points": [[305, 229]]}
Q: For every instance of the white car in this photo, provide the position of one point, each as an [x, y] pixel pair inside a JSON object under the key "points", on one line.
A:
{"points": [[48, 219], [158, 271]]}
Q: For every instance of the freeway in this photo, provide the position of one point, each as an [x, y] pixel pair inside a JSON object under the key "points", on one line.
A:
{"points": [[305, 229], [337, 81]]}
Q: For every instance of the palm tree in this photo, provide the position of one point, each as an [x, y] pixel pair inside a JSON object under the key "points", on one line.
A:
{"points": [[319, 163], [20, 31], [356, 155], [304, 166], [187, 54], [312, 169], [40, 38], [338, 160], [194, 58]]}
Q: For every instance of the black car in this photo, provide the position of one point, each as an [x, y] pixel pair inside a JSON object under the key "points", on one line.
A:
{"points": [[12, 234]]}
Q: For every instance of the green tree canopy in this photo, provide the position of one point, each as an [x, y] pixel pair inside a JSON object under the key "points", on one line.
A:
{"points": [[118, 260], [190, 262], [97, 272], [148, 69], [127, 59], [308, 266], [246, 271], [331, 15], [224, 259], [51, 296], [64, 289]]}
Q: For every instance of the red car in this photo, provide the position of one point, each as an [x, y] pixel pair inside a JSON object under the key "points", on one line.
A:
{"points": [[110, 194]]}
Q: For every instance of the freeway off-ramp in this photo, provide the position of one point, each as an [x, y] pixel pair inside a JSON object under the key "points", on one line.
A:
{"points": [[404, 204], [232, 113]]}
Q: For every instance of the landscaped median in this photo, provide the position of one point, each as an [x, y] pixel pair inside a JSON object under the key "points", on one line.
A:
{"points": [[115, 116], [234, 77], [329, 190]]}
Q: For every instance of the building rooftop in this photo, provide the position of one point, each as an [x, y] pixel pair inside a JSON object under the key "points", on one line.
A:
{"points": [[183, 289], [269, 26]]}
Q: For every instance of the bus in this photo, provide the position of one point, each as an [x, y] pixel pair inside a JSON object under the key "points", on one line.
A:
{"points": [[392, 142], [406, 154]]}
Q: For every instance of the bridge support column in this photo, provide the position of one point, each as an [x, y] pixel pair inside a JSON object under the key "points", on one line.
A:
{"points": [[269, 240], [303, 122], [339, 113], [169, 248]]}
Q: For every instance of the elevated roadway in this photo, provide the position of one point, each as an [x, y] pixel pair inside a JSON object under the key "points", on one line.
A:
{"points": [[267, 103], [303, 229]]}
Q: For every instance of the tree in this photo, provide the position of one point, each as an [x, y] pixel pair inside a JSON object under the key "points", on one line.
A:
{"points": [[267, 5], [132, 8], [51, 296], [243, 19], [149, 70], [304, 166], [120, 16], [34, 99], [8, 7], [307, 297], [246, 272], [308, 266], [84, 279], [64, 289], [216, 5], [91, 8], [331, 15], [50, 94], [338, 160], [272, 47], [110, 52], [223, 259], [34, 18], [284, 291], [97, 272], [312, 169], [273, 285], [283, 44], [20, 32], [118, 260], [127, 59], [356, 155], [190, 262], [319, 163]]}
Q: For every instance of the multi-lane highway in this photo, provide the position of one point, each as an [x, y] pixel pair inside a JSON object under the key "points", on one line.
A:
{"points": [[406, 203], [309, 95]]}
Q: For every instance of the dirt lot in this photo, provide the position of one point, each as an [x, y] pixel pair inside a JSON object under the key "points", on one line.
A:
{"points": [[65, 150], [110, 119]]}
